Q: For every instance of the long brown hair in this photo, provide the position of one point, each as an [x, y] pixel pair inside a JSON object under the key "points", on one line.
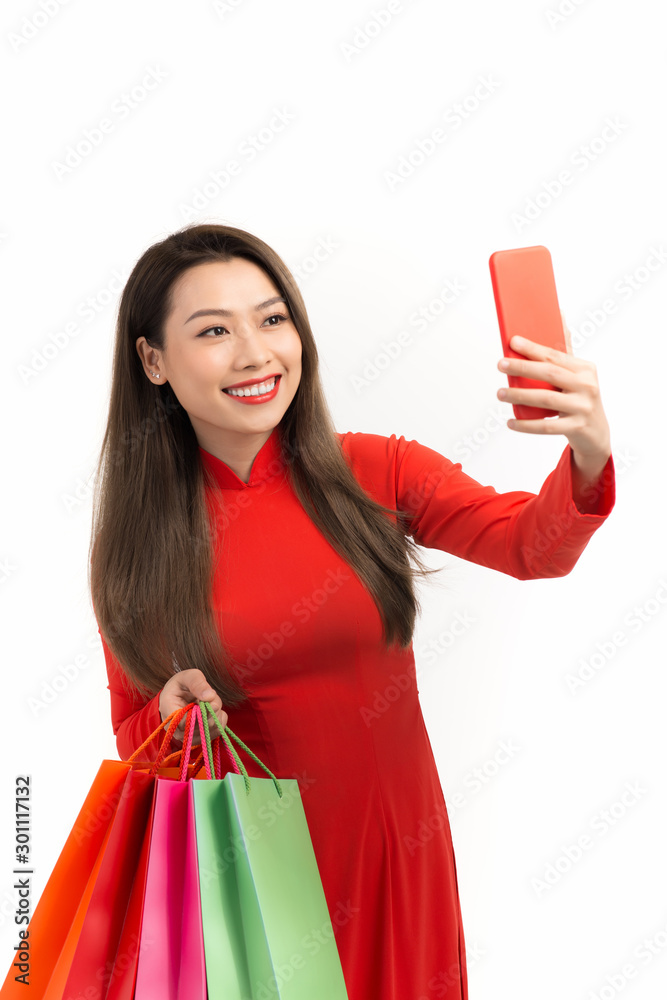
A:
{"points": [[150, 555]]}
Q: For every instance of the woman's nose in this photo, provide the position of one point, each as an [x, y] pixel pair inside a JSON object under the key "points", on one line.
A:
{"points": [[251, 349]]}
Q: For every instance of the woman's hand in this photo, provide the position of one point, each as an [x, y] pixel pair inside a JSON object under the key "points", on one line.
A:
{"points": [[183, 688], [581, 417]]}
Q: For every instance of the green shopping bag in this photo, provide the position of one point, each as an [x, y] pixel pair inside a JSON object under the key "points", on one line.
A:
{"points": [[261, 894]]}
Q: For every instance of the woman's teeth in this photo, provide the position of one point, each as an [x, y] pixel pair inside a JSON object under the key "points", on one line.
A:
{"points": [[253, 390]]}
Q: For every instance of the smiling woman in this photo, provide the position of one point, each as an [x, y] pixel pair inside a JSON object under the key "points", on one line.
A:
{"points": [[246, 553], [203, 363]]}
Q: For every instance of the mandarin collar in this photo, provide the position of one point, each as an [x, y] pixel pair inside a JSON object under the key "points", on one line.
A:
{"points": [[268, 463]]}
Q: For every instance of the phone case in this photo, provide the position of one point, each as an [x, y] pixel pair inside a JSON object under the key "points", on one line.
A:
{"points": [[526, 300]]}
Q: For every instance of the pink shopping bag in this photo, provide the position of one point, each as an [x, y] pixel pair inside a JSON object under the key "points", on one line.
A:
{"points": [[171, 963]]}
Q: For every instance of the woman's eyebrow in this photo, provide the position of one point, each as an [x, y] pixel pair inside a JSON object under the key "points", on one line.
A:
{"points": [[228, 312]]}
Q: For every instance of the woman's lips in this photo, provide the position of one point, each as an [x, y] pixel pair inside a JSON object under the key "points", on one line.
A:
{"points": [[265, 397]]}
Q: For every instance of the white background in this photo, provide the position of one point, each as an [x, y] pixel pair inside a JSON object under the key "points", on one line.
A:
{"points": [[360, 98]]}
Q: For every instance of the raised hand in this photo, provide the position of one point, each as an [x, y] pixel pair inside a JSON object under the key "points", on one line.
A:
{"points": [[581, 417]]}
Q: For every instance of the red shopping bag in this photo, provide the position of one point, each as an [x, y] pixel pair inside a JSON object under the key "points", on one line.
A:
{"points": [[120, 977], [92, 942], [171, 964], [81, 917]]}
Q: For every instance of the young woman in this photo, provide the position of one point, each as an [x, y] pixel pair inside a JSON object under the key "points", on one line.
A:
{"points": [[246, 553]]}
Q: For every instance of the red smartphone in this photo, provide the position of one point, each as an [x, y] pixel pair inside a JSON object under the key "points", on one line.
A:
{"points": [[524, 289]]}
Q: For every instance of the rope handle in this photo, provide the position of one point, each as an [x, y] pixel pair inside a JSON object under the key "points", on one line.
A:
{"points": [[171, 722], [213, 765], [187, 746], [217, 762], [208, 751], [174, 759], [231, 750], [177, 756], [194, 718]]}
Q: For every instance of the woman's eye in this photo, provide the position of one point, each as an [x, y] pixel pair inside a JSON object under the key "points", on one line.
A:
{"points": [[279, 316], [209, 330]]}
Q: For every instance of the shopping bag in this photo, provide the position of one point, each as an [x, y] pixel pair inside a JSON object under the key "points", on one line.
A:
{"points": [[80, 919], [93, 938], [262, 900], [62, 895], [171, 952], [137, 936], [119, 978]]}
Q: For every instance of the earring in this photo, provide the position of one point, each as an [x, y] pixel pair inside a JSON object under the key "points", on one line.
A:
{"points": [[155, 376]]}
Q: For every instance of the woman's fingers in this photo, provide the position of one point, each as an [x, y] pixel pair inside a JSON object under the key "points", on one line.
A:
{"points": [[197, 688], [194, 683], [203, 691]]}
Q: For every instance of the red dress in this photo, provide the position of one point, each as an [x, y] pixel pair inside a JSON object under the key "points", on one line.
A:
{"points": [[330, 706]]}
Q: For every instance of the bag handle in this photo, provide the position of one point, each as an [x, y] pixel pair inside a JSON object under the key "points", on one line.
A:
{"points": [[187, 746], [201, 718], [231, 750], [193, 717], [171, 722]]}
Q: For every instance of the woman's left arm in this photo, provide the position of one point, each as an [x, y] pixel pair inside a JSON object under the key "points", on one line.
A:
{"points": [[581, 417]]}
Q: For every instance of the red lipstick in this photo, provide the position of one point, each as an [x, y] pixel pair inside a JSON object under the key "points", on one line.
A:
{"points": [[264, 398]]}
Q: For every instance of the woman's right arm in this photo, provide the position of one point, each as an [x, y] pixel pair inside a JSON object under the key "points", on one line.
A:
{"points": [[133, 716]]}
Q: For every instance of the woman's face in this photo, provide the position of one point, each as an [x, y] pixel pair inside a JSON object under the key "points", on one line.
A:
{"points": [[229, 325]]}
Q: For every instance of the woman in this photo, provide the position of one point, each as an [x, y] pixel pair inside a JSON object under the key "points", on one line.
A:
{"points": [[245, 553]]}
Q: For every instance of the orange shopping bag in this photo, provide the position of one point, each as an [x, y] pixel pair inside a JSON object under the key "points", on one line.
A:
{"points": [[84, 931]]}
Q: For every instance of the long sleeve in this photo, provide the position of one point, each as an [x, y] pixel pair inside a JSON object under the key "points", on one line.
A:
{"points": [[133, 717], [522, 534]]}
